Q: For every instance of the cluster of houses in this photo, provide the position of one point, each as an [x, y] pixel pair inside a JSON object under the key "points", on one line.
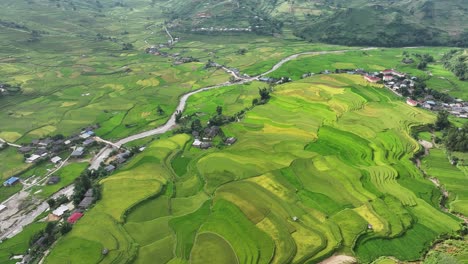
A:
{"points": [[41, 149], [209, 134], [221, 29], [397, 81], [73, 213]]}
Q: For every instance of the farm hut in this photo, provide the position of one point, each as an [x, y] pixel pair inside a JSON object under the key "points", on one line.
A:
{"points": [[56, 159], [110, 168], [196, 143], [411, 102], [86, 202], [88, 142], [11, 181], [25, 149], [295, 218], [205, 145], [78, 152], [74, 217], [89, 193], [2, 207], [45, 142], [60, 210], [33, 158], [53, 180], [105, 251], [230, 141]]}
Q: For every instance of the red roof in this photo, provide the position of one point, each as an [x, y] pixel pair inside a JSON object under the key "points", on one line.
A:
{"points": [[74, 217], [372, 78], [411, 102], [387, 71]]}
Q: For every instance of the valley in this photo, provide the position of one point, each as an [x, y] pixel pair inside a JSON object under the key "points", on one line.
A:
{"points": [[130, 135]]}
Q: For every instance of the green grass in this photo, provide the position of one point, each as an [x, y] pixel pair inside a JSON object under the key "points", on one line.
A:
{"points": [[330, 150], [453, 178], [211, 248], [19, 244], [67, 175]]}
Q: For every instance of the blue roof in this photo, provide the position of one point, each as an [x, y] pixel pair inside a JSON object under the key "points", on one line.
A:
{"points": [[11, 180], [90, 133]]}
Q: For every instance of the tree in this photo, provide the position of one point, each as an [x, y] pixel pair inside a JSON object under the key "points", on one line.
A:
{"points": [[442, 121], [178, 116], [196, 125], [422, 65], [255, 101], [264, 94], [50, 228], [160, 110], [51, 202], [65, 228], [127, 46], [219, 110]]}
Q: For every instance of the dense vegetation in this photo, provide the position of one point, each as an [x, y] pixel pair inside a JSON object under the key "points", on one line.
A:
{"points": [[457, 62]]}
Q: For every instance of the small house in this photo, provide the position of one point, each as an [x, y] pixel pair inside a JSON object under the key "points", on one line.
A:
{"points": [[11, 181], [229, 141], [60, 210], [74, 217], [67, 142], [45, 142], [205, 145], [78, 152], [33, 158], [89, 193], [2, 207], [110, 168], [53, 180], [372, 79], [88, 142], [196, 143], [56, 160], [86, 202], [25, 149], [412, 102], [87, 134], [388, 77]]}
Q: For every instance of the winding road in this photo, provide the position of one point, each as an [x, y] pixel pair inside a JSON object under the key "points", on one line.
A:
{"points": [[13, 222], [104, 153]]}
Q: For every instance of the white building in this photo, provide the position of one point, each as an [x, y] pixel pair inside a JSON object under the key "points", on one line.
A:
{"points": [[56, 159], [60, 210], [32, 158]]}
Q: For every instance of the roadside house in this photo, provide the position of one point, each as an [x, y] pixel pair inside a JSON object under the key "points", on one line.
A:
{"points": [[53, 180], [56, 159], [60, 210], [33, 158], [74, 217], [11, 181], [230, 141], [411, 102], [372, 79], [78, 152]]}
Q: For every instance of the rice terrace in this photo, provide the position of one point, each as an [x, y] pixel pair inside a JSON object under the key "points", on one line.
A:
{"points": [[138, 131]]}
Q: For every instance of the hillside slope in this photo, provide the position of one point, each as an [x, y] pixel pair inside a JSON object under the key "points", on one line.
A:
{"points": [[355, 22]]}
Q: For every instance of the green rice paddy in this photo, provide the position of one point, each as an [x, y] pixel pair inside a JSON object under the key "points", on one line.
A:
{"points": [[322, 168]]}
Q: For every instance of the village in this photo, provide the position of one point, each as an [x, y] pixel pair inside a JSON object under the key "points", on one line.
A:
{"points": [[403, 84]]}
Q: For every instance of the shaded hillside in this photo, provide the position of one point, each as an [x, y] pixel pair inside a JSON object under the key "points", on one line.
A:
{"points": [[355, 22], [397, 23], [457, 62]]}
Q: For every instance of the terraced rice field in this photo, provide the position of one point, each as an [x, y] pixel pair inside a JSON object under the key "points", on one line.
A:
{"points": [[322, 168]]}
